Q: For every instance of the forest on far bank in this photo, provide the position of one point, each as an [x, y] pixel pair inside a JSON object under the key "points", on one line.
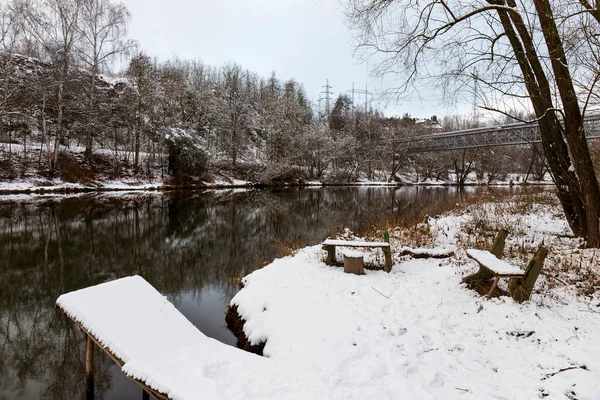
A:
{"points": [[63, 115]]}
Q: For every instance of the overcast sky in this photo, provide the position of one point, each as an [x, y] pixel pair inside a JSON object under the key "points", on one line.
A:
{"points": [[302, 39]]}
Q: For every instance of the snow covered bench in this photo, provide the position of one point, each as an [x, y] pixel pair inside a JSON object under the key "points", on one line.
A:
{"points": [[495, 266], [331, 244]]}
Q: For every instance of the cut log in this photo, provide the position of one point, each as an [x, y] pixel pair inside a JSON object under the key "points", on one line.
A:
{"points": [[354, 263], [520, 289]]}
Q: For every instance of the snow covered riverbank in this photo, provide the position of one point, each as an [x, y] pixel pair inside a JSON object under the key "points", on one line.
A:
{"points": [[418, 332], [23, 186]]}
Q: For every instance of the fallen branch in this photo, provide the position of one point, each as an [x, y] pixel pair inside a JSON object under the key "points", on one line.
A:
{"points": [[565, 369], [380, 292], [521, 333]]}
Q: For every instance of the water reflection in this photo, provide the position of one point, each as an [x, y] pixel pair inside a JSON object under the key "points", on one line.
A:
{"points": [[191, 246]]}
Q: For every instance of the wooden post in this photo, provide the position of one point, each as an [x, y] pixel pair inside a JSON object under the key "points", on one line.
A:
{"points": [[89, 368], [330, 255], [498, 247], [520, 289], [145, 395], [387, 251]]}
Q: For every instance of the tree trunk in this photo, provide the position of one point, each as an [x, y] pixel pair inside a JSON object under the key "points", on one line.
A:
{"points": [[580, 210], [574, 129], [89, 135]]}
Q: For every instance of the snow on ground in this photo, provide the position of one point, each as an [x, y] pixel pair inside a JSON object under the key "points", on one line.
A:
{"points": [[418, 333]]}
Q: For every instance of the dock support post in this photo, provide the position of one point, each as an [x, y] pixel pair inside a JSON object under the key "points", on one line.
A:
{"points": [[89, 368]]}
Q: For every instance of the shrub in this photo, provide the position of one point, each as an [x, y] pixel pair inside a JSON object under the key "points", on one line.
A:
{"points": [[187, 158]]}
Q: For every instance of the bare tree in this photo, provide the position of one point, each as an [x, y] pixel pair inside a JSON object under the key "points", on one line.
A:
{"points": [[54, 25], [103, 26], [532, 53], [234, 106], [7, 25]]}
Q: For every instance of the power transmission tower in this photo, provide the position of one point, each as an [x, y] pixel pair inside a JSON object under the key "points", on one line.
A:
{"points": [[327, 93], [475, 92], [366, 93], [354, 115]]}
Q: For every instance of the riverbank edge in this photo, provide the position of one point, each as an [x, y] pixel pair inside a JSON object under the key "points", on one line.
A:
{"points": [[235, 323], [78, 188]]}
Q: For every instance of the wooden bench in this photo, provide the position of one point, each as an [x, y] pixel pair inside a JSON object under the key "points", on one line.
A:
{"points": [[520, 285], [331, 244], [495, 267]]}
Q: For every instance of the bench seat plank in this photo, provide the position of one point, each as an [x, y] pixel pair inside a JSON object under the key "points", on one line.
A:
{"points": [[499, 267], [351, 243]]}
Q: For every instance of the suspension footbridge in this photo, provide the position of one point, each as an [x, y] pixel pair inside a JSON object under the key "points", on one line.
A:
{"points": [[501, 135]]}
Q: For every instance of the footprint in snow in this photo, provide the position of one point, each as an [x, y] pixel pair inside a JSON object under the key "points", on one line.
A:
{"points": [[412, 371], [427, 340], [438, 381]]}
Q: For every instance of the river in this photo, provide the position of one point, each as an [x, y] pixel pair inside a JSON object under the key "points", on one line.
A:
{"points": [[192, 246]]}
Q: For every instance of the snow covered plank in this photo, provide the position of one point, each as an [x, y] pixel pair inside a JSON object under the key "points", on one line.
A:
{"points": [[354, 243], [494, 264]]}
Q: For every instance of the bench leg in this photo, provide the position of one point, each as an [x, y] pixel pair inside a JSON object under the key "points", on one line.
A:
{"points": [[388, 259], [330, 255], [494, 286]]}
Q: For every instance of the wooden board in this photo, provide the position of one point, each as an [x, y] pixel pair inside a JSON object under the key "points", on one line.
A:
{"points": [[344, 243]]}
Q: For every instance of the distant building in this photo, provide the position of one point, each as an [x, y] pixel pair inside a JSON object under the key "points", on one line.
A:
{"points": [[431, 124]]}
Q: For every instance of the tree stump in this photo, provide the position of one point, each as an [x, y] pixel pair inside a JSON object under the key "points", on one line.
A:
{"points": [[354, 263], [520, 289]]}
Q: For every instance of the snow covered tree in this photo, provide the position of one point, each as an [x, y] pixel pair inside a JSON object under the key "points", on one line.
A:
{"points": [[102, 26], [142, 73], [53, 24]]}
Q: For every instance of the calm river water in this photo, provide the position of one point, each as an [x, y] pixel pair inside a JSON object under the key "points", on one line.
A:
{"points": [[193, 247]]}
